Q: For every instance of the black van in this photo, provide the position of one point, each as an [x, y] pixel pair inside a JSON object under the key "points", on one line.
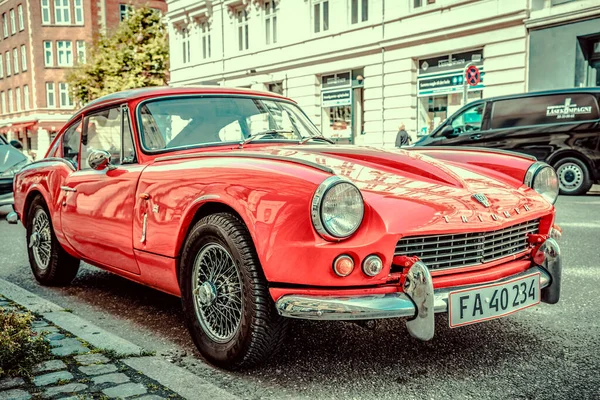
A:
{"points": [[560, 127]]}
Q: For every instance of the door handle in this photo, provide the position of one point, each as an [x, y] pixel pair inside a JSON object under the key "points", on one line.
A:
{"points": [[68, 189], [476, 136]]}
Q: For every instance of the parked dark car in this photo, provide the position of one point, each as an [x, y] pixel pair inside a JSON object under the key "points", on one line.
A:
{"points": [[560, 127], [11, 161]]}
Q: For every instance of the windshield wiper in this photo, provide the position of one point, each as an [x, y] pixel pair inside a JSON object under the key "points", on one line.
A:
{"points": [[264, 133], [322, 138]]}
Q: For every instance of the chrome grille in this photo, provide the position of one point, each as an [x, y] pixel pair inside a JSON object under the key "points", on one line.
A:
{"points": [[467, 249]]}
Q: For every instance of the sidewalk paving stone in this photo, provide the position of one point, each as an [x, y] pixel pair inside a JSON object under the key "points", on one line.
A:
{"points": [[64, 342], [69, 388], [125, 390], [99, 369], [53, 377], [55, 336], [89, 359], [9, 383], [46, 366], [116, 378], [14, 394], [70, 350], [47, 329], [149, 397]]}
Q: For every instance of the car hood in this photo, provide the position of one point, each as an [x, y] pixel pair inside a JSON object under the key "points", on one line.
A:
{"points": [[9, 157], [424, 190]]}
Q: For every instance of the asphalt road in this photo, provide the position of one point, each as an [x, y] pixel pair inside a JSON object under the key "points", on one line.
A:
{"points": [[545, 352]]}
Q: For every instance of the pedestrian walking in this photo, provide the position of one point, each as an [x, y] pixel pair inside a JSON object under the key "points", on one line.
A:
{"points": [[402, 138]]}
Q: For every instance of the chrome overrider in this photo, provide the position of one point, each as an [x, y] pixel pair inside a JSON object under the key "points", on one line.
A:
{"points": [[419, 301]]}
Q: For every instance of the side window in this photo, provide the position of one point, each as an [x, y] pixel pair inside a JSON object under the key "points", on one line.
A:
{"points": [[71, 140], [102, 132], [469, 120], [128, 146]]}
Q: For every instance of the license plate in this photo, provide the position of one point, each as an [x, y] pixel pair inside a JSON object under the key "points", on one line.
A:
{"points": [[491, 301]]}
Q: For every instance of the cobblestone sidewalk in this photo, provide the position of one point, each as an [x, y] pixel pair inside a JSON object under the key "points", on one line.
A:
{"points": [[78, 370]]}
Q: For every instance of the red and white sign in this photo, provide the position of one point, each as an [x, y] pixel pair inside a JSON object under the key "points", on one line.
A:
{"points": [[473, 76]]}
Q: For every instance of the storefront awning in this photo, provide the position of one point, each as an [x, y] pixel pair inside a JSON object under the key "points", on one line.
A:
{"points": [[18, 127]]}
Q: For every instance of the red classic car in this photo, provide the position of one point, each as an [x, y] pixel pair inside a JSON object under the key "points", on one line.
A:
{"points": [[232, 200]]}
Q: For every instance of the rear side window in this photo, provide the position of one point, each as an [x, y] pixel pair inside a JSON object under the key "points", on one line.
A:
{"points": [[542, 110]]}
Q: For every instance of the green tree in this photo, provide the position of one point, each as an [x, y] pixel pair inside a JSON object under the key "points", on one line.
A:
{"points": [[135, 55]]}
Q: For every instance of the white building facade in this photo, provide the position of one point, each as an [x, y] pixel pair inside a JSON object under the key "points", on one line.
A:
{"points": [[359, 68]]}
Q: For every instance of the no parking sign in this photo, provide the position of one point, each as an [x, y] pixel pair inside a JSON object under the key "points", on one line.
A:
{"points": [[473, 76]]}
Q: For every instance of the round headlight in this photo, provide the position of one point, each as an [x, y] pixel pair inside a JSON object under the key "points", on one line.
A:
{"points": [[337, 208], [542, 178]]}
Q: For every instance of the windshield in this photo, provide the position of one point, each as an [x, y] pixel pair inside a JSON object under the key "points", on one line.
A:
{"points": [[196, 121]]}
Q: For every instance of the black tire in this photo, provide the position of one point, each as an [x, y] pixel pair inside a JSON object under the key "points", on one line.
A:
{"points": [[573, 176], [61, 268], [260, 330]]}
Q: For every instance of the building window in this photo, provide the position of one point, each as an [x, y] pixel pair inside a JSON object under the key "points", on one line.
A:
{"points": [[359, 11], [80, 52], [50, 95], [45, 12], [5, 25], [78, 12], [16, 60], [419, 3], [64, 52], [271, 21], [275, 87], [10, 101], [21, 19], [242, 28], [184, 34], [321, 15], [13, 22], [23, 58], [3, 101], [205, 37], [65, 96], [26, 97], [18, 98], [48, 56], [7, 55], [1, 66], [62, 12], [124, 11]]}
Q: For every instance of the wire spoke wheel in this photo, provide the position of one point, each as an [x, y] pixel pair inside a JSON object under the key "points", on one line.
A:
{"points": [[40, 239], [570, 176], [217, 292]]}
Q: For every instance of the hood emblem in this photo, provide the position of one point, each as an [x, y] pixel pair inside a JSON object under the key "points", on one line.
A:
{"points": [[480, 197]]}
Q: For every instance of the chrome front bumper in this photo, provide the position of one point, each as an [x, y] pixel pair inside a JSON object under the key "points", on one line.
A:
{"points": [[419, 301]]}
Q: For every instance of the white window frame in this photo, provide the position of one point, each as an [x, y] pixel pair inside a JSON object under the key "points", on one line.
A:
{"points": [[21, 18], [204, 30], [15, 61], [270, 9], [361, 18], [11, 104], [78, 10], [80, 44], [124, 11], [26, 97], [23, 58], [242, 29], [8, 65], [3, 101], [48, 53], [323, 18], [64, 48], [62, 12], [1, 66], [13, 22], [63, 90], [422, 4], [50, 95], [185, 45], [18, 99], [46, 12], [5, 24]]}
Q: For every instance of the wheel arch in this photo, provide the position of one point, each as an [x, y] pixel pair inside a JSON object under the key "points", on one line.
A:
{"points": [[556, 157], [31, 195]]}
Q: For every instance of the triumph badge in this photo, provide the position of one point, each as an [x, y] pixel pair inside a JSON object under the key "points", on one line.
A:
{"points": [[480, 197]]}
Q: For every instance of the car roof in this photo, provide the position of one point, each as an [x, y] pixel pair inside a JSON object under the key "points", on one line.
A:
{"points": [[149, 92], [593, 90]]}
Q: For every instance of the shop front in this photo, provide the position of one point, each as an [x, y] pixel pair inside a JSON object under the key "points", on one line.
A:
{"points": [[342, 106], [440, 86]]}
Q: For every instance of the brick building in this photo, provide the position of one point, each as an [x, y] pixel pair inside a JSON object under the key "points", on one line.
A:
{"points": [[40, 40]]}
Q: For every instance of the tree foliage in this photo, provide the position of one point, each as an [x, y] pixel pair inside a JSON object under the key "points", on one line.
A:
{"points": [[135, 55]]}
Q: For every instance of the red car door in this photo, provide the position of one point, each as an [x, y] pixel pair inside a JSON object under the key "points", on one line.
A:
{"points": [[98, 206]]}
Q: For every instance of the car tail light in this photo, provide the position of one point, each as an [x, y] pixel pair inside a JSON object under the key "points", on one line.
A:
{"points": [[343, 265]]}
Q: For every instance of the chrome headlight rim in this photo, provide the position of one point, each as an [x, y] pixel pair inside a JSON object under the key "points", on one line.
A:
{"points": [[316, 209], [533, 172]]}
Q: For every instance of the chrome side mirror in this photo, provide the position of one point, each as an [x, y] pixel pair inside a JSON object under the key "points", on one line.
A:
{"points": [[99, 160]]}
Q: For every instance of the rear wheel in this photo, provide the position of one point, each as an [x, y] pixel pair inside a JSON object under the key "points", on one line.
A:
{"points": [[50, 263], [227, 306], [573, 176]]}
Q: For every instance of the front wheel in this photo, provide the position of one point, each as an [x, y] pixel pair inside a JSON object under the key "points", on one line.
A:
{"points": [[229, 312], [573, 176]]}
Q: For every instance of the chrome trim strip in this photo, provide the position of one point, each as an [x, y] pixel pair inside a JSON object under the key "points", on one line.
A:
{"points": [[68, 189]]}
